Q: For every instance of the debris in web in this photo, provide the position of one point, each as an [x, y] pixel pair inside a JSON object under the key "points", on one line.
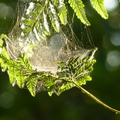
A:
{"points": [[44, 51]]}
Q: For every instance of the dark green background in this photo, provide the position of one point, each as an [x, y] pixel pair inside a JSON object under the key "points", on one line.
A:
{"points": [[18, 104]]}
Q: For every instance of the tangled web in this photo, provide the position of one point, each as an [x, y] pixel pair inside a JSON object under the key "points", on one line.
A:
{"points": [[44, 51], [41, 52], [44, 47]]}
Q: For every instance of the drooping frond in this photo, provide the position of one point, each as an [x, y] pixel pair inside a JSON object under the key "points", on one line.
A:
{"points": [[99, 7], [62, 12], [54, 17], [78, 7]]}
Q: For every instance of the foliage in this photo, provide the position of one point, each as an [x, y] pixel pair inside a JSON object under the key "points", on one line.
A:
{"points": [[47, 15], [21, 73], [99, 6], [45, 18]]}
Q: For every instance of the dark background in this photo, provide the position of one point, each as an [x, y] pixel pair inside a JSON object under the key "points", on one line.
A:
{"points": [[18, 104]]}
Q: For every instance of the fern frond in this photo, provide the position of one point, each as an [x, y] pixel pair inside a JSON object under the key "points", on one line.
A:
{"points": [[78, 7], [31, 84], [77, 70], [99, 7], [54, 17], [36, 21], [46, 24], [62, 12]]}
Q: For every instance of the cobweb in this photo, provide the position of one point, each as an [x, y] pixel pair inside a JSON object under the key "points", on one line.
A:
{"points": [[44, 54]]}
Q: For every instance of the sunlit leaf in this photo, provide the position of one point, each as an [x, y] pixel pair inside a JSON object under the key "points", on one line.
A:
{"points": [[78, 8], [99, 7]]}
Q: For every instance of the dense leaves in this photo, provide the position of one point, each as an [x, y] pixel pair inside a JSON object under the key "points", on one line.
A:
{"points": [[21, 73], [44, 18]]}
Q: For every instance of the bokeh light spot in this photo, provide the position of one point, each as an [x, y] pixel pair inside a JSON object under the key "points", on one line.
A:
{"points": [[6, 11], [6, 100], [115, 39], [113, 60], [111, 5]]}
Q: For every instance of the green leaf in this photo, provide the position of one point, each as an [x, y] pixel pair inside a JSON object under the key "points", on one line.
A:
{"points": [[75, 70], [62, 12], [65, 87], [31, 85], [78, 8], [99, 7], [12, 72], [46, 24], [54, 17]]}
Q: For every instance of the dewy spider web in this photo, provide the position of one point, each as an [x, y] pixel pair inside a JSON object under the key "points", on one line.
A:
{"points": [[44, 52]]}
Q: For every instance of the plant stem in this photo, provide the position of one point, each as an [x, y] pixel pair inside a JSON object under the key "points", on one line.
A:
{"points": [[96, 99]]}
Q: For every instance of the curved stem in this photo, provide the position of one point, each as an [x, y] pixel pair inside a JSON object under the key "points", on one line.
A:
{"points": [[96, 99]]}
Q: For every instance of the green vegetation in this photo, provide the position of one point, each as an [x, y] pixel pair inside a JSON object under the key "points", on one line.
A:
{"points": [[48, 18]]}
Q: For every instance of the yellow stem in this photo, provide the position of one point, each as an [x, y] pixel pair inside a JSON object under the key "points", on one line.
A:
{"points": [[96, 99]]}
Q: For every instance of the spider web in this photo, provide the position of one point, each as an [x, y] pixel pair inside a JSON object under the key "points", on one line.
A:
{"points": [[45, 53]]}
